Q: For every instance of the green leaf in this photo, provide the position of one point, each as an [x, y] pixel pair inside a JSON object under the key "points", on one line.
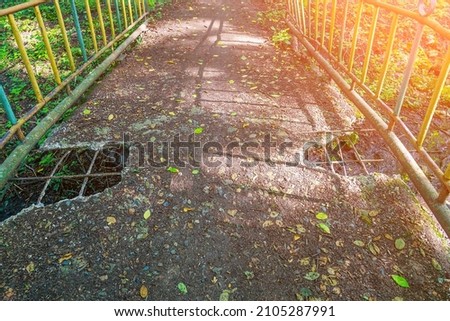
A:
{"points": [[400, 280], [224, 296], [311, 276], [198, 130], [182, 288], [233, 113], [195, 171], [325, 228], [249, 275], [400, 244], [436, 264], [86, 112], [358, 243], [306, 292], [321, 216], [173, 170], [147, 214]]}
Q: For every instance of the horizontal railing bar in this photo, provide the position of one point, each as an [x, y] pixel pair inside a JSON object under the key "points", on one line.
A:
{"points": [[22, 6], [43, 178], [12, 162], [10, 133], [427, 21], [389, 113], [422, 183]]}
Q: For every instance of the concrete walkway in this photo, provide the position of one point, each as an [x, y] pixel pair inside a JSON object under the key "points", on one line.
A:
{"points": [[239, 217]]}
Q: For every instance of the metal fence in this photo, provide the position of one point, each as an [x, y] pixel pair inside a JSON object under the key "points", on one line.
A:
{"points": [[97, 27], [333, 32]]}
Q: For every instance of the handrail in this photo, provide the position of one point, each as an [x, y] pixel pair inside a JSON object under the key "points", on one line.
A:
{"points": [[108, 20], [349, 63], [22, 6], [425, 20]]}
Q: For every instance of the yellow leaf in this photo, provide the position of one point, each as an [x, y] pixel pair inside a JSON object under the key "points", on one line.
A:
{"points": [[296, 237], [147, 214], [111, 117], [143, 292], [171, 113], [267, 223], [171, 62], [30, 268], [188, 209], [111, 220], [65, 257], [231, 81]]}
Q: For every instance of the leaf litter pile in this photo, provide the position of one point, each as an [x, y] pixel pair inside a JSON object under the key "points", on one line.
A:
{"points": [[268, 231]]}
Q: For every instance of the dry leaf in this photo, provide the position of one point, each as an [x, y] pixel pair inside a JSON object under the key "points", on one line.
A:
{"points": [[65, 257], [143, 292], [111, 220]]}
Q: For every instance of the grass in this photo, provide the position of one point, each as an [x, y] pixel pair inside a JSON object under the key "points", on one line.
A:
{"points": [[13, 75]]}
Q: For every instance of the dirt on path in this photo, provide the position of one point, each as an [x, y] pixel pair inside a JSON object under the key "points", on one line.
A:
{"points": [[242, 219]]}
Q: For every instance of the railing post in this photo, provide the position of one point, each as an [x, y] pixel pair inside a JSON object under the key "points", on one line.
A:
{"points": [[76, 22]]}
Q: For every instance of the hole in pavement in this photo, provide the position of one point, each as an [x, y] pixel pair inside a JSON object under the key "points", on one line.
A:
{"points": [[51, 176]]}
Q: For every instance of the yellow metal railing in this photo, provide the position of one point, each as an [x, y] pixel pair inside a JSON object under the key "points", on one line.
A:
{"points": [[342, 35], [114, 13], [103, 30]]}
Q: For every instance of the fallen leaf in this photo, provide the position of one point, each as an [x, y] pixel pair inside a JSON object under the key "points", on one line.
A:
{"points": [[65, 257], [267, 223], [274, 214], [325, 228], [311, 276], [306, 292], [171, 113], [232, 213], [143, 292], [249, 275], [373, 248], [110, 117], [188, 209], [297, 237], [198, 130], [231, 81], [400, 244], [359, 243], [224, 296], [195, 171], [436, 264], [86, 112], [321, 216], [147, 214], [401, 281], [173, 170], [182, 288], [233, 113], [30, 268], [111, 220]]}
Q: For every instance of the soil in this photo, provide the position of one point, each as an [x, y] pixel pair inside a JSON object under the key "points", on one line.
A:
{"points": [[250, 225]]}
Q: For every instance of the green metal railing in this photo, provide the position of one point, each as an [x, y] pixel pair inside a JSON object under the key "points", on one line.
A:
{"points": [[337, 32], [104, 23]]}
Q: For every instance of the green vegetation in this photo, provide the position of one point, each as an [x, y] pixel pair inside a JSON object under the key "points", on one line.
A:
{"points": [[13, 75]]}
